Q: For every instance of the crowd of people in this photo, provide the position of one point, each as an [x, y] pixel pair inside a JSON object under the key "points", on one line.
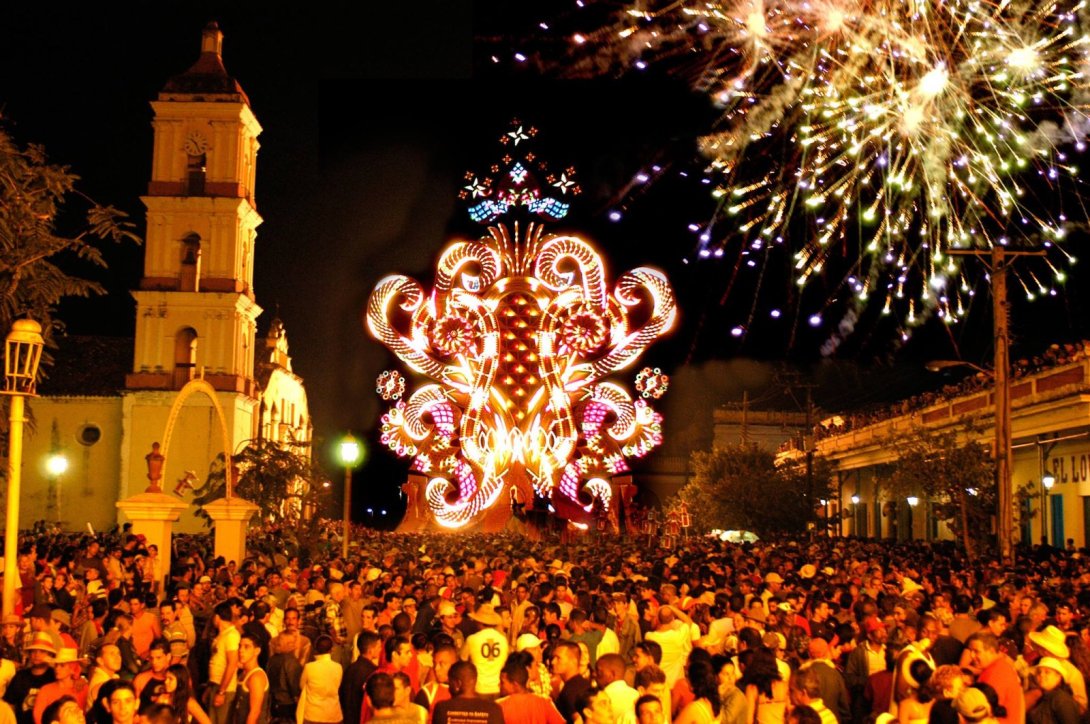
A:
{"points": [[1055, 356], [476, 629]]}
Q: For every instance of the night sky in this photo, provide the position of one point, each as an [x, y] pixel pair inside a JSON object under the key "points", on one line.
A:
{"points": [[371, 116]]}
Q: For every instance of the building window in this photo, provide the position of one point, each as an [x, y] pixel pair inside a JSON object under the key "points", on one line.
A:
{"points": [[190, 276], [89, 434], [185, 356]]}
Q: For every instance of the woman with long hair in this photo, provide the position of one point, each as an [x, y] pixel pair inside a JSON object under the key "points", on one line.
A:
{"points": [[705, 707], [182, 701], [732, 700], [765, 690]]}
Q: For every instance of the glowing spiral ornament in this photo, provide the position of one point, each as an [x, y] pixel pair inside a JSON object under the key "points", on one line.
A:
{"points": [[390, 385], [652, 383]]}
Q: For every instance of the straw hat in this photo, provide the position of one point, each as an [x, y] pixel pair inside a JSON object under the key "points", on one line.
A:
{"points": [[1051, 640], [487, 615], [67, 656], [41, 642], [808, 571]]}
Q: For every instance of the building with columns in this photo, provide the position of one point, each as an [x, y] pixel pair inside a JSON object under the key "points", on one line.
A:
{"points": [[108, 400], [1050, 422]]}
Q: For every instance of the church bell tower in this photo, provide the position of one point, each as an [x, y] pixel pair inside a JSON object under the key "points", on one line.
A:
{"points": [[195, 307]]}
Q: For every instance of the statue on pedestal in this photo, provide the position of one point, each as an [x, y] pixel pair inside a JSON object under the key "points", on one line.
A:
{"points": [[155, 469]]}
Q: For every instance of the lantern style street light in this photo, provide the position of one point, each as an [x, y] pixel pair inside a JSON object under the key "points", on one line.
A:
{"points": [[22, 354], [351, 452]]}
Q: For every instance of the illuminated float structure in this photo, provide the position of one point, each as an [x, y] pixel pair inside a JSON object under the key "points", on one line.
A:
{"points": [[518, 334]]}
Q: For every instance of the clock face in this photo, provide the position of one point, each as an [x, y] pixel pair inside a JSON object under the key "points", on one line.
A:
{"points": [[195, 143]]}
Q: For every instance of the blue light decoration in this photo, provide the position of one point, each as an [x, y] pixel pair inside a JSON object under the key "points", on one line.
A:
{"points": [[514, 183]]}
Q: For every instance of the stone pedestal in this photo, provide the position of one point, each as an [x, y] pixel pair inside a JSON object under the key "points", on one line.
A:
{"points": [[153, 516], [232, 518]]}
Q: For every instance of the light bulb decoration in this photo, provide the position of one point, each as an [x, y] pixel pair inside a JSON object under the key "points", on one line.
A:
{"points": [[652, 383], [390, 385]]}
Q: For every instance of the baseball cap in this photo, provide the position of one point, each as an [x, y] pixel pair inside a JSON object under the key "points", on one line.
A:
{"points": [[527, 641], [204, 579], [972, 704]]}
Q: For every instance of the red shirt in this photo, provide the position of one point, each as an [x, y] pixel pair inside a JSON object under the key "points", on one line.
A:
{"points": [[527, 708], [1002, 677]]}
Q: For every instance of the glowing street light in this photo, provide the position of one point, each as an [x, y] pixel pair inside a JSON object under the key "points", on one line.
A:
{"points": [[22, 353], [913, 500], [56, 465], [1047, 481], [350, 452]]}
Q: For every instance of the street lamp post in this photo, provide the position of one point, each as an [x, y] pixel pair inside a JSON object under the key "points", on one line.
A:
{"points": [[1047, 481], [22, 353], [350, 452]]}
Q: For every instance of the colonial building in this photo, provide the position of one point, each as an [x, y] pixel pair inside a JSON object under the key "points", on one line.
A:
{"points": [[1050, 422], [196, 317]]}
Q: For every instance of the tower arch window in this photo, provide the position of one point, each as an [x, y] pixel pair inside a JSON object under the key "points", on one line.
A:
{"points": [[190, 274], [185, 356]]}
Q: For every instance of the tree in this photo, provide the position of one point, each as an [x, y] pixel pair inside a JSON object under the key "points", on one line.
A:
{"points": [[281, 479], [958, 477], [740, 487], [37, 200]]}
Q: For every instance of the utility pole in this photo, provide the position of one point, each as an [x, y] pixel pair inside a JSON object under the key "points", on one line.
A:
{"points": [[998, 260], [791, 381], [745, 417]]}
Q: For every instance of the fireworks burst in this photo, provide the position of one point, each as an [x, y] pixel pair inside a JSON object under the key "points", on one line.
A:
{"points": [[882, 132]]}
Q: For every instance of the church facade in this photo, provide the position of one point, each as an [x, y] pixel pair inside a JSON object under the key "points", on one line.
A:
{"points": [[196, 318]]}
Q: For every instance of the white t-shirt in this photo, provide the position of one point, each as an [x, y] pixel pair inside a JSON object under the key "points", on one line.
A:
{"points": [[226, 641], [676, 644], [487, 649]]}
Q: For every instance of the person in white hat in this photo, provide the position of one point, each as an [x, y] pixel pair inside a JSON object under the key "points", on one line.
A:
{"points": [[66, 667], [448, 621], [1053, 642], [1055, 704], [540, 680], [487, 649], [33, 677]]}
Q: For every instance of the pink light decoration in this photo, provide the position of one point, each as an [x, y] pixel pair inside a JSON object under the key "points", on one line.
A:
{"points": [[518, 335]]}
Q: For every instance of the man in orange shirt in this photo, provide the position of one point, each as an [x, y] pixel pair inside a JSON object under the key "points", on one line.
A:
{"points": [[145, 625]]}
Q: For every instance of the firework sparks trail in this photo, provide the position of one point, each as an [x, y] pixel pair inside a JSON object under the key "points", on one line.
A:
{"points": [[900, 129]]}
